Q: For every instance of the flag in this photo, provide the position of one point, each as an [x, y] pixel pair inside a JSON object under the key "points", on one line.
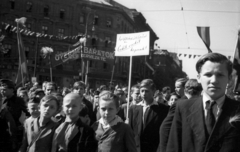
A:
{"points": [[204, 34], [236, 65], [22, 76]]}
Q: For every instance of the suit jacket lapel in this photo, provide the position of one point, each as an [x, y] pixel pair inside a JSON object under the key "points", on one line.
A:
{"points": [[139, 118], [222, 125], [197, 120], [151, 115]]}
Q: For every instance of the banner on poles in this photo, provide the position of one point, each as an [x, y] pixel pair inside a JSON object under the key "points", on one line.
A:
{"points": [[87, 53], [62, 57], [99, 55], [134, 44]]}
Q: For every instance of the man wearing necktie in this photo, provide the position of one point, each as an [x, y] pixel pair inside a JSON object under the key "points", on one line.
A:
{"points": [[146, 117], [211, 122]]}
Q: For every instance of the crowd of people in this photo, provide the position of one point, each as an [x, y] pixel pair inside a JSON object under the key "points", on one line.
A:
{"points": [[196, 116]]}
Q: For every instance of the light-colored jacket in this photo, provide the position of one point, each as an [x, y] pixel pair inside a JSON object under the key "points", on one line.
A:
{"points": [[36, 138]]}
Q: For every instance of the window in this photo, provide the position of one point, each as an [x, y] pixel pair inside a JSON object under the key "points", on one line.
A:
{"points": [[109, 23], [94, 42], [44, 29], [60, 32], [46, 11], [81, 19], [27, 52], [29, 7], [95, 22], [12, 4], [104, 65], [62, 13]]}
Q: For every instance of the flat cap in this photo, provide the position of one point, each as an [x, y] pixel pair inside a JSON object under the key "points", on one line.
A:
{"points": [[7, 83]]}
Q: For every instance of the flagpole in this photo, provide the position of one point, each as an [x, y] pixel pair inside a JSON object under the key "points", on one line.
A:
{"points": [[236, 82], [49, 57], [86, 74], [129, 86], [113, 69], [86, 30], [19, 66], [36, 54]]}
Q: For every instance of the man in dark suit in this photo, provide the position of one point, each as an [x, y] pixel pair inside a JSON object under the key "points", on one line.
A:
{"points": [[167, 123], [146, 117], [209, 123]]}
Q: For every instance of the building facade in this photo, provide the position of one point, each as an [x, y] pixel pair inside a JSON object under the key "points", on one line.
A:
{"points": [[59, 24]]}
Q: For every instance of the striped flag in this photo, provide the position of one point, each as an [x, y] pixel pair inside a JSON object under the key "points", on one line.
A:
{"points": [[22, 76], [203, 32], [236, 65]]}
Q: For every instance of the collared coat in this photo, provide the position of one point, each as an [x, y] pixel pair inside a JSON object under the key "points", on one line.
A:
{"points": [[188, 132], [37, 139], [147, 136]]}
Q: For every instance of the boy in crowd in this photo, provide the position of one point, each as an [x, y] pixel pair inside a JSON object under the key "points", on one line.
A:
{"points": [[79, 88], [145, 118], [73, 135], [33, 108], [50, 87]]}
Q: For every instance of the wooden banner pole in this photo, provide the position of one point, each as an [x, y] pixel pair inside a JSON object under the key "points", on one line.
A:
{"points": [[129, 86]]}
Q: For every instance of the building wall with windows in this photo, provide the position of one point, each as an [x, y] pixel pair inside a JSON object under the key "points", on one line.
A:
{"points": [[61, 19]]}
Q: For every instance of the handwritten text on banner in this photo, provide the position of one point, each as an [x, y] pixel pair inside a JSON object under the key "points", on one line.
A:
{"points": [[134, 44]]}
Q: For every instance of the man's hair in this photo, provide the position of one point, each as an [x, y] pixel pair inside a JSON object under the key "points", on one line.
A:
{"points": [[182, 81], [79, 84], [35, 92], [48, 98], [51, 84], [214, 57], [109, 96], [102, 87], [134, 87], [148, 83], [165, 89], [174, 94], [34, 100], [192, 87], [118, 92]]}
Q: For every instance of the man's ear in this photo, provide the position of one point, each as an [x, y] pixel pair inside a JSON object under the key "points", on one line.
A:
{"points": [[198, 78]]}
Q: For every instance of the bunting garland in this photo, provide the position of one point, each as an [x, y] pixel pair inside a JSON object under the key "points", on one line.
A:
{"points": [[194, 56], [27, 32]]}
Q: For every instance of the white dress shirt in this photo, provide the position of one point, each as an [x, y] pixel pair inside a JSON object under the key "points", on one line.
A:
{"points": [[217, 108]]}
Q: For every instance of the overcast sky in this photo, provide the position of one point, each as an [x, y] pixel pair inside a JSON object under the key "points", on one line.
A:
{"points": [[177, 29]]}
